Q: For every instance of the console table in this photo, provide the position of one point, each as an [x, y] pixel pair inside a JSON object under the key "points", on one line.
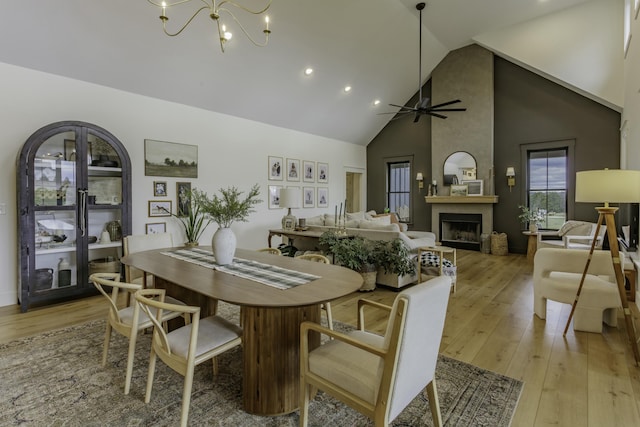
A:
{"points": [[292, 234]]}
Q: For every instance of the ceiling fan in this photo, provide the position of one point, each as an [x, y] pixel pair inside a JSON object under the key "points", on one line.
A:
{"points": [[422, 106]]}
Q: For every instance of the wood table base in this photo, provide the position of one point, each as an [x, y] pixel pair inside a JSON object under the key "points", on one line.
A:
{"points": [[271, 344]]}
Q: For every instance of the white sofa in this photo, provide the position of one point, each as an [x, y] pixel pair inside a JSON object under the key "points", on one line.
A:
{"points": [[556, 276], [378, 227]]}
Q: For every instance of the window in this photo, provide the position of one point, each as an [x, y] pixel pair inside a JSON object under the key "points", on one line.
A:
{"points": [[547, 172], [399, 188]]}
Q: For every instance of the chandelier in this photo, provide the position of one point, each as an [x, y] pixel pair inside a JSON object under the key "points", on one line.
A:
{"points": [[215, 9]]}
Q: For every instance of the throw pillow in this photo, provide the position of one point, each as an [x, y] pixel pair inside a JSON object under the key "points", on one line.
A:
{"points": [[376, 225], [381, 219], [431, 259], [316, 220], [357, 216]]}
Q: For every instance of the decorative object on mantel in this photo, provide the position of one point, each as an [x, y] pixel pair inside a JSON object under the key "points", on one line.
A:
{"points": [[225, 211], [422, 106], [214, 10], [531, 217]]}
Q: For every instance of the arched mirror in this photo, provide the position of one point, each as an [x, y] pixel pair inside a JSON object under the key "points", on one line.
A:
{"points": [[459, 166]]}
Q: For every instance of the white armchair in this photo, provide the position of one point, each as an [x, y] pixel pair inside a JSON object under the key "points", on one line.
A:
{"points": [[556, 276], [380, 375], [572, 235]]}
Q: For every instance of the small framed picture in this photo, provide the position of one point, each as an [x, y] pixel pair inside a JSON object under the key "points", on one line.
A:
{"points": [[183, 192], [275, 168], [159, 208], [159, 188], [474, 187], [309, 171], [293, 170], [323, 197], [308, 197], [156, 228], [274, 196], [323, 172], [459, 190]]}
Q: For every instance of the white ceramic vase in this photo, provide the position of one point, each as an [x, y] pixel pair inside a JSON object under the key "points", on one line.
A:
{"points": [[224, 246]]}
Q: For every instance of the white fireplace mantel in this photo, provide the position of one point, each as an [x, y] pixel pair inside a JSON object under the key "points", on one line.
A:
{"points": [[461, 199]]}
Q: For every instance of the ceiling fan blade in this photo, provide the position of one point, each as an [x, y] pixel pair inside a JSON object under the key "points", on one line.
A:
{"points": [[416, 118], [436, 115], [403, 107], [455, 101], [448, 109]]}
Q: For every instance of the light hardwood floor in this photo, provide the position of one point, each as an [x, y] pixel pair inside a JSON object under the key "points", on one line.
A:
{"points": [[584, 380]]}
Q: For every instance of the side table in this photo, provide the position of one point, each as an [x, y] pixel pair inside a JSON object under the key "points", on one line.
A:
{"points": [[442, 251], [532, 243]]}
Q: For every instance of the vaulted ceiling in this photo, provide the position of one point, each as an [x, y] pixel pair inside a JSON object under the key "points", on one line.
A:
{"points": [[370, 45]]}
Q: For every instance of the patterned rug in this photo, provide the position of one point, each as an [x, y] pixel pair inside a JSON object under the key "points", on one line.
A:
{"points": [[55, 379]]}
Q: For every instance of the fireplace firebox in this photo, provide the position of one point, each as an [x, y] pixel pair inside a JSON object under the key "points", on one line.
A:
{"points": [[461, 230]]}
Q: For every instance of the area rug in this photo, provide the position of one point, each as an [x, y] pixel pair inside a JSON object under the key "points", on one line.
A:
{"points": [[55, 379]]}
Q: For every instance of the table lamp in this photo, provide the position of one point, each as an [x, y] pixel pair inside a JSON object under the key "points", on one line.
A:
{"points": [[289, 198], [609, 186]]}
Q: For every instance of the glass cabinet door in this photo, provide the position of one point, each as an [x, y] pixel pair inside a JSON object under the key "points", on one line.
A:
{"points": [[104, 202], [55, 214]]}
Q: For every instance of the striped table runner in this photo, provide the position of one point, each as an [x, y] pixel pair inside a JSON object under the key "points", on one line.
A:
{"points": [[271, 275]]}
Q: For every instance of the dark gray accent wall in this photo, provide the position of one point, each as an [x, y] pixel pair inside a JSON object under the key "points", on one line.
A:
{"points": [[401, 138], [531, 109], [528, 109]]}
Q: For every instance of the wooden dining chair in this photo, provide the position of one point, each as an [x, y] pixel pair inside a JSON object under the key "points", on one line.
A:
{"points": [[127, 321], [274, 251], [188, 346], [143, 242], [327, 305], [380, 375]]}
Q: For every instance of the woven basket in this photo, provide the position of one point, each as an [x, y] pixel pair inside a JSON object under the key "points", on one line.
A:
{"points": [[104, 265], [499, 245]]}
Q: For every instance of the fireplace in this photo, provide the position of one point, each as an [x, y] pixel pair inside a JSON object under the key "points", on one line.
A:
{"points": [[461, 230]]}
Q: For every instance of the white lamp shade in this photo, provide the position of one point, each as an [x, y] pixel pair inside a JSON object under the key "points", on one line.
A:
{"points": [[419, 176], [290, 198], [511, 171], [608, 185]]}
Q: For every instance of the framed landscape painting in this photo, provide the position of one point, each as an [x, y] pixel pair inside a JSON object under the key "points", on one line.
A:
{"points": [[170, 159]]}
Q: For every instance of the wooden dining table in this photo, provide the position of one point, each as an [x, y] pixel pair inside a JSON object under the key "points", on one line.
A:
{"points": [[270, 317]]}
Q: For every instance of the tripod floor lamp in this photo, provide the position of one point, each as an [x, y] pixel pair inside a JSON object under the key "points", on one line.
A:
{"points": [[609, 186]]}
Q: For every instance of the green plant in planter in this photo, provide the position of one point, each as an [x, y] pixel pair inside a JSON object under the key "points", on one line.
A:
{"points": [[393, 257], [355, 253], [194, 223], [228, 208]]}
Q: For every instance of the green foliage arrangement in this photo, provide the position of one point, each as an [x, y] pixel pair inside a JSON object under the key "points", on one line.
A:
{"points": [[195, 222], [228, 208], [529, 215], [360, 254], [393, 256]]}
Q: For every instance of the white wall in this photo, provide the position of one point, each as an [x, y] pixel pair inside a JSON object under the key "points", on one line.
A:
{"points": [[231, 151], [579, 47]]}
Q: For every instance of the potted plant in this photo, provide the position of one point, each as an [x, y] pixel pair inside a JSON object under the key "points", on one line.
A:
{"points": [[355, 253], [195, 222], [531, 217], [225, 210]]}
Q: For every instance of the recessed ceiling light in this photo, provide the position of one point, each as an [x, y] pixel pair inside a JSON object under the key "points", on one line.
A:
{"points": [[308, 71], [376, 102], [347, 88]]}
